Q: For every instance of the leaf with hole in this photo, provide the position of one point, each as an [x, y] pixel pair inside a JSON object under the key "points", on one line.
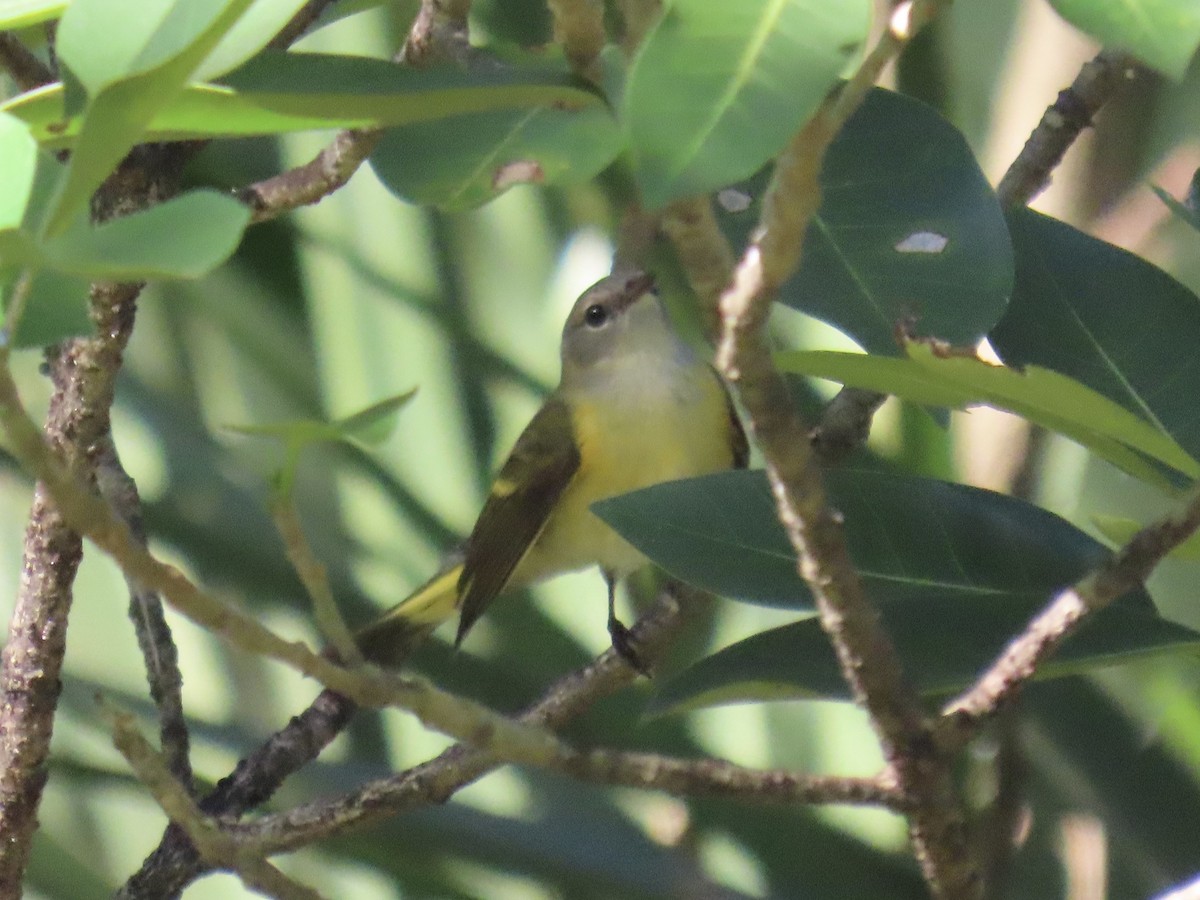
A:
{"points": [[909, 231]]}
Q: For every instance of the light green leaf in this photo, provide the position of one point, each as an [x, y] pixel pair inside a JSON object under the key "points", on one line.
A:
{"points": [[278, 93], [1121, 530], [252, 32], [1163, 34], [182, 238], [19, 151], [16, 14], [367, 427], [1040, 395], [133, 58], [1070, 312], [717, 89]]}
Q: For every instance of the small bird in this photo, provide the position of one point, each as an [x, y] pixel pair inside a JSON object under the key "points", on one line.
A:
{"points": [[634, 407]]}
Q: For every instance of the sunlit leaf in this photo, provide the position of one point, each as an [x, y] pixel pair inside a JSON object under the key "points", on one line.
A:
{"points": [[1163, 34], [1106, 318], [16, 14], [717, 89], [1040, 395]]}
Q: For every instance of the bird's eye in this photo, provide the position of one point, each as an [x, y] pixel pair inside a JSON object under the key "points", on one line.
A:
{"points": [[595, 315]]}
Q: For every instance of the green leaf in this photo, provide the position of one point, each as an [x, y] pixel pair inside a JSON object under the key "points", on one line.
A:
{"points": [[55, 309], [277, 93], [19, 151], [16, 14], [717, 89], [908, 230], [1163, 34], [910, 538], [133, 57], [1121, 530], [252, 32], [367, 427], [1040, 395], [182, 238], [943, 642], [1106, 318], [461, 162]]}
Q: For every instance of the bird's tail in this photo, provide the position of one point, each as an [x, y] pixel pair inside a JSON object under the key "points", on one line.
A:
{"points": [[391, 639]]}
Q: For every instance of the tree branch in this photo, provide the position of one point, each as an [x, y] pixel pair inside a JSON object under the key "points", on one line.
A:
{"points": [[150, 625], [1062, 123], [83, 372], [439, 32], [1123, 572], [868, 658]]}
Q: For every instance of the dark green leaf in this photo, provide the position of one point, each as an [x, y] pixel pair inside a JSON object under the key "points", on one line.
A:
{"points": [[943, 642], [718, 88], [182, 238], [1161, 33], [1037, 394], [909, 231], [1106, 318], [911, 538], [464, 161], [1185, 210]]}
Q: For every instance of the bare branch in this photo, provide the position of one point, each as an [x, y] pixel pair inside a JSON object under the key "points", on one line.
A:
{"points": [[438, 32], [27, 71], [1062, 123], [146, 612], [175, 862], [216, 846], [1123, 572]]}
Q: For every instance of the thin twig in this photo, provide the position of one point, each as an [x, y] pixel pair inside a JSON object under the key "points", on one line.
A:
{"points": [[1123, 572], [315, 579], [175, 863], [1062, 123], [159, 654], [218, 848], [299, 24], [27, 71], [439, 32]]}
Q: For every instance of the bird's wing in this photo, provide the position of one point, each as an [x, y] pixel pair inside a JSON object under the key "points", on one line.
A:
{"points": [[540, 467]]}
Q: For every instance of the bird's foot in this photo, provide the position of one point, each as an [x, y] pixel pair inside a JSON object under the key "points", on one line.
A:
{"points": [[623, 642]]}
